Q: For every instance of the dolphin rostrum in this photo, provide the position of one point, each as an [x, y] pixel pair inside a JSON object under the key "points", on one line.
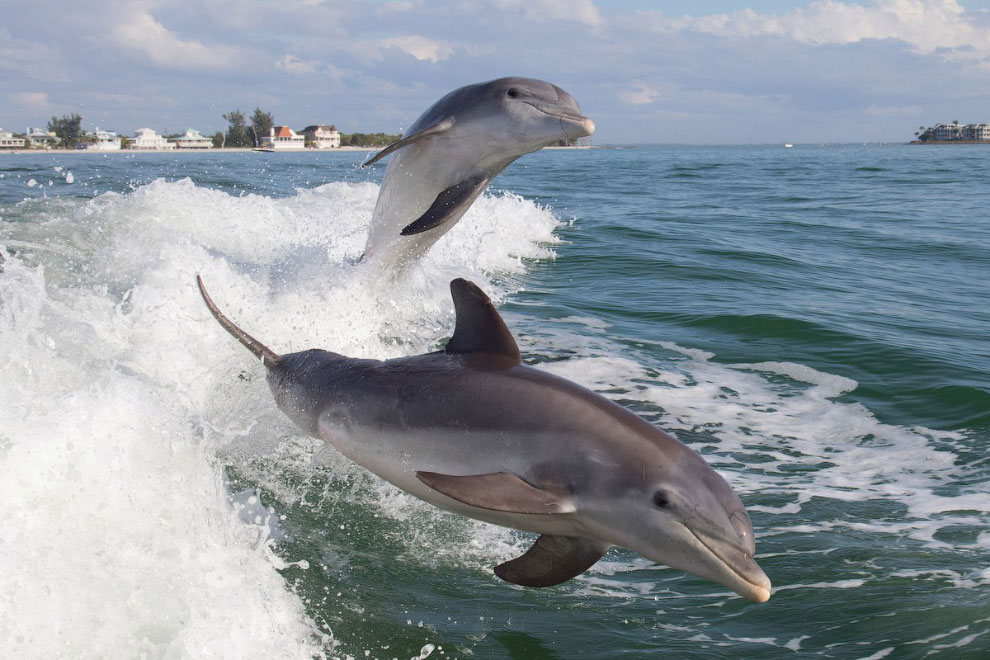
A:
{"points": [[472, 430], [454, 150]]}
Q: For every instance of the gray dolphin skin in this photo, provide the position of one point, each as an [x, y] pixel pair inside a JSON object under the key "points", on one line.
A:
{"points": [[454, 150], [472, 430]]}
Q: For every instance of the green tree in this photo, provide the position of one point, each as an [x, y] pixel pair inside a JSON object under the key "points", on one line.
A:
{"points": [[237, 132], [261, 124], [218, 139], [368, 139], [68, 128]]}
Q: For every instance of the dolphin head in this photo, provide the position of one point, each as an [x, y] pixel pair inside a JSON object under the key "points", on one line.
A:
{"points": [[508, 116], [533, 113], [683, 514], [540, 112]]}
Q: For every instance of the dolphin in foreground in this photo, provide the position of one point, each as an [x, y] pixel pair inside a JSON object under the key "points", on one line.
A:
{"points": [[454, 150], [472, 430]]}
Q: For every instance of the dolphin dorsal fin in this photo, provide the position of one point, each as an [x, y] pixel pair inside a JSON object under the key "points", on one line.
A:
{"points": [[441, 126], [479, 328]]}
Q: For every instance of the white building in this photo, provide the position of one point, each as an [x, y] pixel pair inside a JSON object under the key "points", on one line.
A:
{"points": [[193, 139], [8, 141], [969, 132], [145, 139], [322, 136], [105, 141], [283, 138], [40, 138], [977, 132], [947, 132]]}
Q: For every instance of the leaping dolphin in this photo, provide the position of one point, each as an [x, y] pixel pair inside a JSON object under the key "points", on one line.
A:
{"points": [[472, 430], [454, 150]]}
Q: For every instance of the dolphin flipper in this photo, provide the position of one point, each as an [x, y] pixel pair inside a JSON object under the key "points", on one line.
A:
{"points": [[552, 560], [498, 491], [456, 198], [441, 126]]}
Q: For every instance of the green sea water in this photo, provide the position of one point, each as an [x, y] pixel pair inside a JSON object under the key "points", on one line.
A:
{"points": [[812, 320]]}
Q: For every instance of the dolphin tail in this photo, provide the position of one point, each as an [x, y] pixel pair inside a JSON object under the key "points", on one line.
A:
{"points": [[269, 357]]}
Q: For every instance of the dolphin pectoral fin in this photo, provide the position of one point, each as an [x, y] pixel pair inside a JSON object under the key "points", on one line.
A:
{"points": [[498, 491], [441, 126], [552, 560], [451, 200], [479, 328]]}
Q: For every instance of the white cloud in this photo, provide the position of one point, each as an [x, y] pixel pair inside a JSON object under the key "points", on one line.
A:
{"points": [[141, 33], [422, 48], [32, 101], [639, 95], [580, 11], [893, 111], [926, 25], [32, 58], [297, 66]]}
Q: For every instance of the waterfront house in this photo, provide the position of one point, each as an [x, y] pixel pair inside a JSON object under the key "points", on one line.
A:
{"points": [[146, 139], [322, 136], [8, 141], [103, 141], [39, 138], [282, 138], [956, 132], [977, 132], [947, 132], [193, 139]]}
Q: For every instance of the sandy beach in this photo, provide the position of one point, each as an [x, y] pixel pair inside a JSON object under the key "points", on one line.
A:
{"points": [[178, 151], [226, 151]]}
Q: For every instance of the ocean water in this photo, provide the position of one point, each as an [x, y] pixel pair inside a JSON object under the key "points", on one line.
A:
{"points": [[813, 320]]}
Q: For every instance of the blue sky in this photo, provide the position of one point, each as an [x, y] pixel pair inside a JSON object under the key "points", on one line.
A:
{"points": [[666, 71]]}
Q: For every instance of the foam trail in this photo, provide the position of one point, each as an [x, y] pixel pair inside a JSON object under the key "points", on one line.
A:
{"points": [[785, 415], [124, 401]]}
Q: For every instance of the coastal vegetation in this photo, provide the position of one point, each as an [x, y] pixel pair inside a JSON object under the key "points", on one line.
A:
{"points": [[67, 128], [368, 139]]}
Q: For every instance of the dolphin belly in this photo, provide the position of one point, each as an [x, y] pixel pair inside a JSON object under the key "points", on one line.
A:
{"points": [[397, 457]]}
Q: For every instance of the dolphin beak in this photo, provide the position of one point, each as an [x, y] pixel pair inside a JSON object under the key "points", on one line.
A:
{"points": [[587, 126], [574, 124], [735, 568]]}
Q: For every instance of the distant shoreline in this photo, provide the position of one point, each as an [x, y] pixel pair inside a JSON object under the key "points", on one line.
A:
{"points": [[234, 150], [231, 150], [940, 142]]}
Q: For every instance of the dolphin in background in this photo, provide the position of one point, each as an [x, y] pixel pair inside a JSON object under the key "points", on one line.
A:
{"points": [[454, 150], [472, 430]]}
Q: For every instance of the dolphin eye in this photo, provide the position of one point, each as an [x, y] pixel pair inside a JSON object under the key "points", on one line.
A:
{"points": [[512, 93], [660, 499]]}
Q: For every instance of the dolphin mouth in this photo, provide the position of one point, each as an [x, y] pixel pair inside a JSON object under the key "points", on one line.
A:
{"points": [[580, 122], [749, 581]]}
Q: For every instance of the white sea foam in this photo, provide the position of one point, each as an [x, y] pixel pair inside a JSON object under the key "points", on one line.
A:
{"points": [[123, 399], [787, 414]]}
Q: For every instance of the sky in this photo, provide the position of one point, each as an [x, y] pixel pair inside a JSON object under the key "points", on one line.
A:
{"points": [[666, 71]]}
